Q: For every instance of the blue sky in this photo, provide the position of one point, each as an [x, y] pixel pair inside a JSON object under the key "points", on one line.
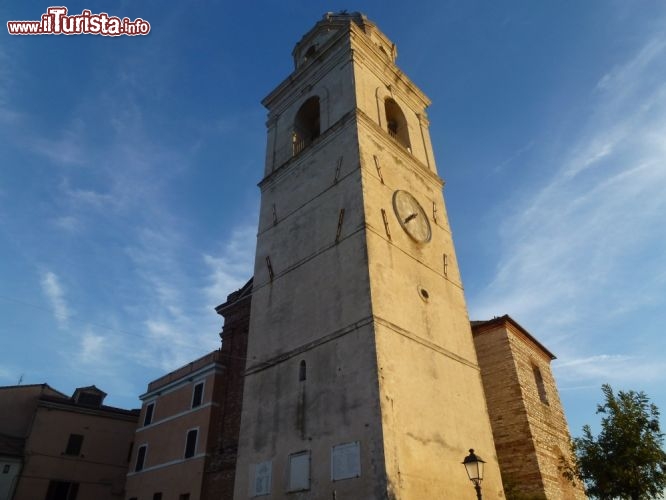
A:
{"points": [[128, 171]]}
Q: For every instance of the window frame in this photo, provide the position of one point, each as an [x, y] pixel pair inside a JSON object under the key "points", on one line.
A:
{"points": [[147, 421], [194, 430], [74, 445], [202, 384], [143, 447]]}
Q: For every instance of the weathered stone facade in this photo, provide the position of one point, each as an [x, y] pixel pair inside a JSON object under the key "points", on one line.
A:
{"points": [[360, 353], [529, 426]]}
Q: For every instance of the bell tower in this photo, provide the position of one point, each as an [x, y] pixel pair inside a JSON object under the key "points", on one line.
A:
{"points": [[362, 380]]}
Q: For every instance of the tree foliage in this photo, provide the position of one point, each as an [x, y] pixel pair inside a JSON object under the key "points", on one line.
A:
{"points": [[626, 459]]}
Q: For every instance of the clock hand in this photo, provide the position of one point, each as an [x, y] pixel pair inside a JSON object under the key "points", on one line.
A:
{"points": [[410, 217]]}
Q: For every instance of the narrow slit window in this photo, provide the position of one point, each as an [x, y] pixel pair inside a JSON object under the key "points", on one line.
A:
{"points": [[302, 372], [541, 387]]}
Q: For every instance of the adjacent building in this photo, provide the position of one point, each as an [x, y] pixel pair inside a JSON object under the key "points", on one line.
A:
{"points": [[174, 429], [529, 427], [187, 437], [56, 447]]}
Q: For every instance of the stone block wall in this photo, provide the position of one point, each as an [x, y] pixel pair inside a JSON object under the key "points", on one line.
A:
{"points": [[529, 427]]}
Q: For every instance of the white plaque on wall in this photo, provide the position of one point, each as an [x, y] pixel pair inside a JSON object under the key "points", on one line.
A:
{"points": [[260, 478], [346, 461], [299, 471]]}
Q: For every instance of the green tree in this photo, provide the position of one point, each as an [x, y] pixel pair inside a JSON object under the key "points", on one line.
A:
{"points": [[626, 459]]}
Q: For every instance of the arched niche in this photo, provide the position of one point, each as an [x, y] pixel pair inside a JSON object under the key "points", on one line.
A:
{"points": [[396, 123], [307, 124]]}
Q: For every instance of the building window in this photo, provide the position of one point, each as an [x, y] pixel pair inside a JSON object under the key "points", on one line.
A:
{"points": [[191, 443], [129, 451], [62, 490], [346, 461], [197, 395], [157, 496], [140, 457], [396, 124], [74, 444], [5, 468], [299, 471], [541, 387], [148, 417], [184, 496], [260, 478], [302, 371], [306, 125]]}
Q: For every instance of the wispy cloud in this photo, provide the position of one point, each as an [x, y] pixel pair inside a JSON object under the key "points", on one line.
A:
{"points": [[234, 266], [517, 154], [55, 294], [68, 223], [585, 245], [609, 368]]}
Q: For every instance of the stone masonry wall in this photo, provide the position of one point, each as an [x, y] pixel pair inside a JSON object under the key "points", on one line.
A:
{"points": [[220, 468], [529, 426]]}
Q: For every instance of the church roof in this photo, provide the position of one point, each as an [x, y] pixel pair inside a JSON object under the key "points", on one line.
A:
{"points": [[479, 327]]}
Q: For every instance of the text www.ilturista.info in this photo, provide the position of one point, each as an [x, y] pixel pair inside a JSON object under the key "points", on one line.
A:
{"points": [[56, 22]]}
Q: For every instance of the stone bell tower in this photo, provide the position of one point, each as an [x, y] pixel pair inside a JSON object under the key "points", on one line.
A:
{"points": [[362, 380]]}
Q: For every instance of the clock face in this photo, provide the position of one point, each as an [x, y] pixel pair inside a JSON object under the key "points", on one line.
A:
{"points": [[411, 215]]}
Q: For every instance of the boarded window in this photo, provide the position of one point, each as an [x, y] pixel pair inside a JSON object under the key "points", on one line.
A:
{"points": [[191, 443], [148, 418], [346, 461], [140, 458], [299, 471], [260, 479], [197, 395], [74, 444]]}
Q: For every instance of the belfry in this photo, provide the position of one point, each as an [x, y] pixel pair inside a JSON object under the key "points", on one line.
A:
{"points": [[362, 380]]}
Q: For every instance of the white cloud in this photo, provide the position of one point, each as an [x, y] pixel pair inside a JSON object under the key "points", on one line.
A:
{"points": [[54, 293], [68, 223], [587, 245], [234, 266], [94, 349], [608, 368]]}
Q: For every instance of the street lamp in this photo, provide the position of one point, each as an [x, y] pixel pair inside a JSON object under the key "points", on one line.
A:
{"points": [[474, 467]]}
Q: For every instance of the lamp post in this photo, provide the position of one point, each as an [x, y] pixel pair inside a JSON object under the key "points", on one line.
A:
{"points": [[474, 467]]}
